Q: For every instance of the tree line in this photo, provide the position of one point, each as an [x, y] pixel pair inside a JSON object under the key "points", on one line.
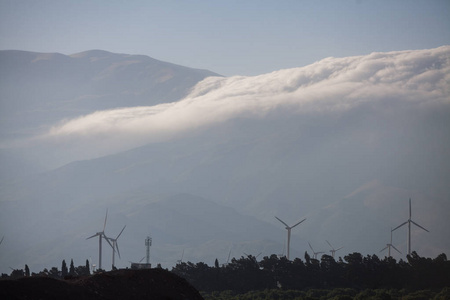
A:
{"points": [[65, 271], [355, 271]]}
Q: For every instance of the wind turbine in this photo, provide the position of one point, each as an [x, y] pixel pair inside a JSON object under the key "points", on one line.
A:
{"points": [[101, 234], [388, 246], [282, 253], [333, 251], [115, 246], [289, 228], [315, 253], [409, 221], [228, 259]]}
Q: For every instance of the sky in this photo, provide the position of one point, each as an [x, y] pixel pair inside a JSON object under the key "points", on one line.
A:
{"points": [[227, 37]]}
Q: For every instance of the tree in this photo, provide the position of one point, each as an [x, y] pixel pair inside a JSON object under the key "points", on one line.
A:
{"points": [[17, 273], [72, 268], [307, 258], [27, 271], [81, 271], [54, 272], [216, 263], [64, 270], [88, 270]]}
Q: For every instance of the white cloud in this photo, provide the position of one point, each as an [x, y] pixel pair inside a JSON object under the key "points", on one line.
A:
{"points": [[328, 86]]}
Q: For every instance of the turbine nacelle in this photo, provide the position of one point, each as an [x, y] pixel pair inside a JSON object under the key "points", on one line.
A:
{"points": [[409, 222], [288, 228]]}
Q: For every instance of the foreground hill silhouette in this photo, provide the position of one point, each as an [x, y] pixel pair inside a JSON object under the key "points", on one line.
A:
{"points": [[120, 284]]}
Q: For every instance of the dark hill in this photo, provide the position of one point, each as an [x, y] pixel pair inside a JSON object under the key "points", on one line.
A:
{"points": [[120, 284]]}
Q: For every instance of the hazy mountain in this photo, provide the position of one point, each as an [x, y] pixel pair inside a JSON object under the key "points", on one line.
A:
{"points": [[344, 142], [39, 89], [202, 229]]}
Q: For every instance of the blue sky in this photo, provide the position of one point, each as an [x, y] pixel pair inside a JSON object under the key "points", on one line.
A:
{"points": [[228, 37]]}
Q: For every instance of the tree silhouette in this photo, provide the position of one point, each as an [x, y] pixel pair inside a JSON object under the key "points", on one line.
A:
{"points": [[64, 270], [72, 268], [355, 272], [88, 270]]}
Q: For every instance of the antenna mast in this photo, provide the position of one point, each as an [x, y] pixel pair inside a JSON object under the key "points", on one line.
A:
{"points": [[148, 243]]}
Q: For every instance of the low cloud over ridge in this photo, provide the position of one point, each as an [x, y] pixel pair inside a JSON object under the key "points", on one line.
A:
{"points": [[332, 85]]}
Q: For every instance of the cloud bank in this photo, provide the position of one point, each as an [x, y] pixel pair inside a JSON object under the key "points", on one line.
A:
{"points": [[330, 86]]}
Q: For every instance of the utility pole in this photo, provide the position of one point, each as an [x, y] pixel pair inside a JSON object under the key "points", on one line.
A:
{"points": [[148, 243]]}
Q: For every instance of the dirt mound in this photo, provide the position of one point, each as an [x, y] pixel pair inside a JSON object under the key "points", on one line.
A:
{"points": [[120, 284]]}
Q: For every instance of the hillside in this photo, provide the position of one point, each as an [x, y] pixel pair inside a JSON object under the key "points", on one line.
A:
{"points": [[122, 284]]}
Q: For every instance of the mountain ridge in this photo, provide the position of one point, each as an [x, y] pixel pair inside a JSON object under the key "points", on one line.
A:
{"points": [[263, 146]]}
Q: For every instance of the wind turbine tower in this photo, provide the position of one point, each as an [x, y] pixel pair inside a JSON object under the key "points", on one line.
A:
{"points": [[148, 243], [289, 228], [409, 221], [101, 234]]}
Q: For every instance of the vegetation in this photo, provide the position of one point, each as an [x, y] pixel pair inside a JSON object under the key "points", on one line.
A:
{"points": [[337, 294], [53, 272], [355, 276]]}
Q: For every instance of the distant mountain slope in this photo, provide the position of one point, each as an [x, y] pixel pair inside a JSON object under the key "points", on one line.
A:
{"points": [[295, 143], [178, 223], [40, 88]]}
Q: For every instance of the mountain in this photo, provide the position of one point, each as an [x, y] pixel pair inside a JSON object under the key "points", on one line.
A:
{"points": [[40, 89], [344, 142], [48, 87]]}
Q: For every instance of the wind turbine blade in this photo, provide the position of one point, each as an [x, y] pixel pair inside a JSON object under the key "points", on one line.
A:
{"points": [[92, 236], [419, 225], [141, 259], [399, 226], [281, 221], [410, 208], [338, 249], [384, 249], [396, 249], [106, 217], [329, 244], [121, 231], [298, 223], [2, 240], [107, 239], [117, 247], [311, 247]]}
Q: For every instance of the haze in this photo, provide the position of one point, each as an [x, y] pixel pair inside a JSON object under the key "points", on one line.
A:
{"points": [[198, 122]]}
